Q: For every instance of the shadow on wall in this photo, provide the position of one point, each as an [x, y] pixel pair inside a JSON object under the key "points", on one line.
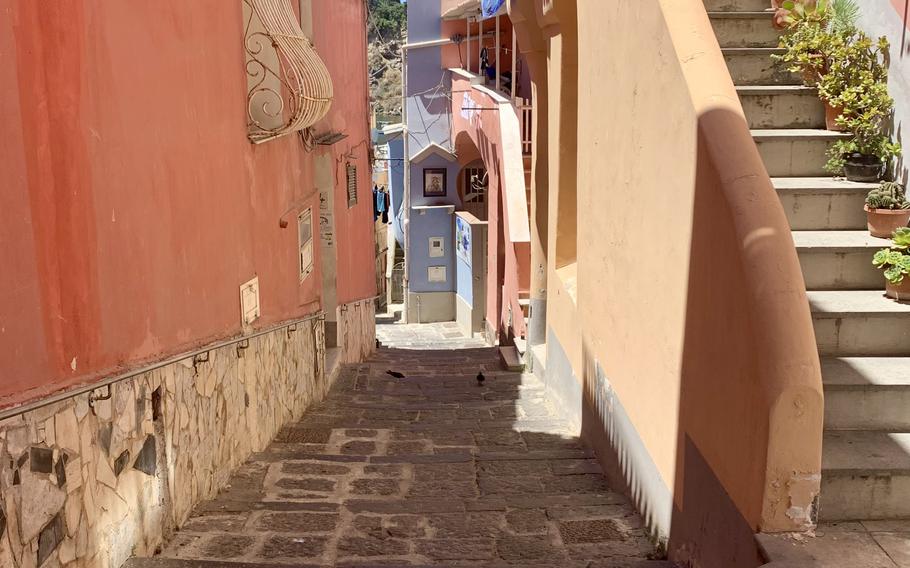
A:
{"points": [[734, 378]]}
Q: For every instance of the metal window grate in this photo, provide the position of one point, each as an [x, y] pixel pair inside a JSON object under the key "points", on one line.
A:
{"points": [[289, 86], [305, 239], [351, 171]]}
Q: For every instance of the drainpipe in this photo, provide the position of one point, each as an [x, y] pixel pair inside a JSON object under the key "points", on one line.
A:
{"points": [[406, 202]]}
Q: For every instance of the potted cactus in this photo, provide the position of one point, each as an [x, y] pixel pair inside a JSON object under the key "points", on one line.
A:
{"points": [[887, 209], [895, 262]]}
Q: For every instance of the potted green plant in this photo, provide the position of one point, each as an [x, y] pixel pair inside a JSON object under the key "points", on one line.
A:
{"points": [[855, 83], [887, 209], [895, 263], [811, 25], [806, 25]]}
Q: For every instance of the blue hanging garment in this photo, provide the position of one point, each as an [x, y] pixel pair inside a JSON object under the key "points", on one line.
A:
{"points": [[490, 7]]}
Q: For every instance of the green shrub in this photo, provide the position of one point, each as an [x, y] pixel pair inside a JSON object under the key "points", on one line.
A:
{"points": [[895, 261]]}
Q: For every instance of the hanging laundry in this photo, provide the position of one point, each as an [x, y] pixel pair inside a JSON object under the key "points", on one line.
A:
{"points": [[376, 211]]}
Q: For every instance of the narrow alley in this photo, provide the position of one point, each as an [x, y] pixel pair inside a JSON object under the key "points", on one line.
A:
{"points": [[430, 469]]}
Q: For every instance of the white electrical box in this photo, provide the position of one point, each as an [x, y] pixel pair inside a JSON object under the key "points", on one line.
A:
{"points": [[437, 248], [249, 301], [436, 273]]}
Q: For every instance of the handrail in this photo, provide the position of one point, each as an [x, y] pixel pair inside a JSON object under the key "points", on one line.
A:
{"points": [[67, 394]]}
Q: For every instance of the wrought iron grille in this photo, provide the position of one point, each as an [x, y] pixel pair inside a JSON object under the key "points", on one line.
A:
{"points": [[351, 172], [289, 87]]}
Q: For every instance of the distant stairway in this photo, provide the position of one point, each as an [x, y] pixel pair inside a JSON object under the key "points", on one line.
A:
{"points": [[863, 338]]}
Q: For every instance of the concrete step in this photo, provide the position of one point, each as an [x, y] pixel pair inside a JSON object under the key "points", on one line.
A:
{"points": [[511, 358], [867, 393], [736, 5], [860, 323], [744, 29], [795, 152], [782, 106], [865, 475], [839, 260], [754, 66], [823, 203]]}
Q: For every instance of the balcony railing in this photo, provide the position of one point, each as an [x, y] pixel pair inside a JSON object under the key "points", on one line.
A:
{"points": [[525, 110]]}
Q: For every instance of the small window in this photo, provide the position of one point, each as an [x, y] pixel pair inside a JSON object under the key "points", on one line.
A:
{"points": [[351, 171], [305, 233]]}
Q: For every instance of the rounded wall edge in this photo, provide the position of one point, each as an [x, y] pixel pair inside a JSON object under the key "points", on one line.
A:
{"points": [[776, 297]]}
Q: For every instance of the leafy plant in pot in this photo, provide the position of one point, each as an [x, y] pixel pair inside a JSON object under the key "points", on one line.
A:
{"points": [[895, 262], [887, 209], [855, 82], [810, 25]]}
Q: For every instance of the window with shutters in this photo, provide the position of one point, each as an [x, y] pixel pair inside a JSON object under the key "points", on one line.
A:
{"points": [[351, 172], [305, 234]]}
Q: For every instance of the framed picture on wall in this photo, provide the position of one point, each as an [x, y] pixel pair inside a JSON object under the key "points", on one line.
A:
{"points": [[434, 182]]}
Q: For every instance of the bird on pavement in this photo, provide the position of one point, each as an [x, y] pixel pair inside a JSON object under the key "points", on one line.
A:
{"points": [[378, 344], [480, 378], [395, 374]]}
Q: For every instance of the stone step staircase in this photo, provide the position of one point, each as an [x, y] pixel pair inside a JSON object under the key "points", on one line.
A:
{"points": [[863, 338]]}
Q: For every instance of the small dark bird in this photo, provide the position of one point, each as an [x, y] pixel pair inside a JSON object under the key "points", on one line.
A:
{"points": [[480, 379], [395, 374], [378, 344]]}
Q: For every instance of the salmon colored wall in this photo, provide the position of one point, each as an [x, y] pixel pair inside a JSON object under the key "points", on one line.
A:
{"points": [[134, 204], [713, 361], [340, 36], [509, 258]]}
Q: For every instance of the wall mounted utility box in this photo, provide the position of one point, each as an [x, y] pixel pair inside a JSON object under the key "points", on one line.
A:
{"points": [[249, 301], [437, 247]]}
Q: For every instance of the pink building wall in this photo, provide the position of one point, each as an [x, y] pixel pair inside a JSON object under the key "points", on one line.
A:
{"points": [[508, 266], [133, 205]]}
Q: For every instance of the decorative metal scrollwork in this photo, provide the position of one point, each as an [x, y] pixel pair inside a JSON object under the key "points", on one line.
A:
{"points": [[289, 87]]}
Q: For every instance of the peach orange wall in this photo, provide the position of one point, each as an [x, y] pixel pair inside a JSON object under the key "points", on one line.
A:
{"points": [[690, 296], [133, 204]]}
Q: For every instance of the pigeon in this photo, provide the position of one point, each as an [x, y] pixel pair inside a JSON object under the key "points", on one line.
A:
{"points": [[378, 344], [395, 374], [480, 378]]}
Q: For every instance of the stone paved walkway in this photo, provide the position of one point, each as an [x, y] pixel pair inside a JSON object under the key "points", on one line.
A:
{"points": [[428, 470]]}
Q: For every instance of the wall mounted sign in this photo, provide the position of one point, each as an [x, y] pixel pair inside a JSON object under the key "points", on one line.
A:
{"points": [[434, 182], [436, 273], [463, 240]]}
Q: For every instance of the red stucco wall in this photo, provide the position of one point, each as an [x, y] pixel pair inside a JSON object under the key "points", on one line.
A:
{"points": [[340, 35], [132, 204]]}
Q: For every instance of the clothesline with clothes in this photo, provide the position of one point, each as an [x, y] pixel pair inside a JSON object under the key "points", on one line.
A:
{"points": [[380, 204]]}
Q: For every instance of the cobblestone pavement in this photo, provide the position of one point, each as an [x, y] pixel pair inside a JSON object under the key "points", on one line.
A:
{"points": [[428, 470], [433, 336]]}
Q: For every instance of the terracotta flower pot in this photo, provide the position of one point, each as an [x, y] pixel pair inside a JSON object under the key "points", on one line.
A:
{"points": [[900, 292], [883, 222], [831, 115]]}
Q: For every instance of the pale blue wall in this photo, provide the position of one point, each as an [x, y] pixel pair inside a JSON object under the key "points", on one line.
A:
{"points": [[429, 84], [433, 223], [435, 161], [428, 109], [464, 279]]}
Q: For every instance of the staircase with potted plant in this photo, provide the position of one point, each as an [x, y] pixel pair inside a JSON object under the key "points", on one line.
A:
{"points": [[863, 338]]}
